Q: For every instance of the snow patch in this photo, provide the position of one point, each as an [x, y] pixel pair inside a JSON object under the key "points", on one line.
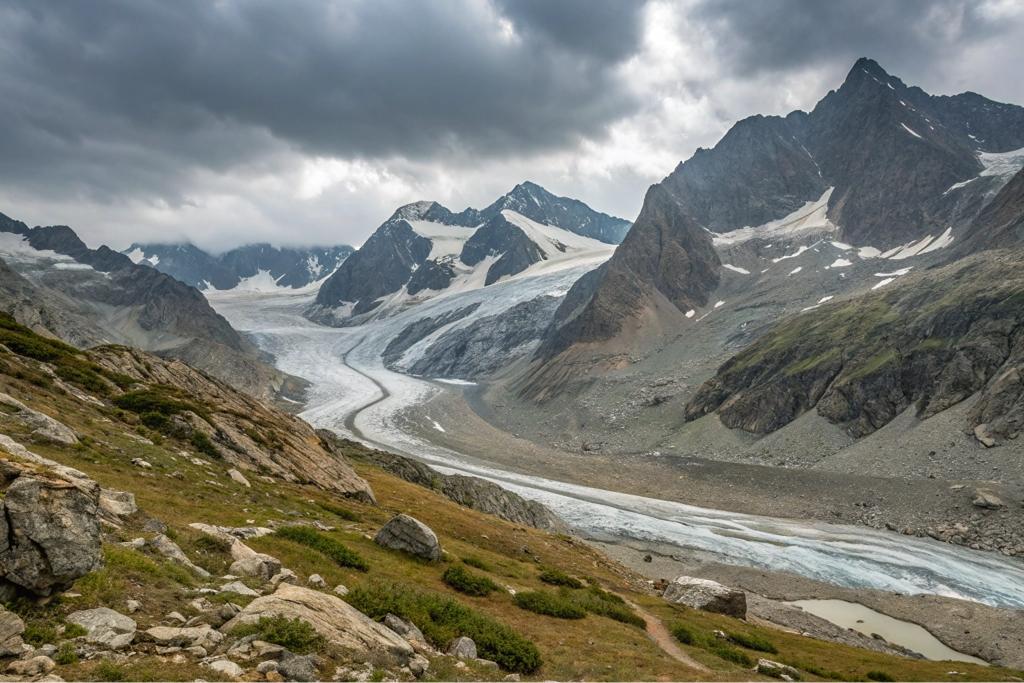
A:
{"points": [[826, 298], [690, 313], [136, 255], [911, 131], [884, 282], [736, 269], [796, 270], [840, 263], [719, 304], [811, 217]]}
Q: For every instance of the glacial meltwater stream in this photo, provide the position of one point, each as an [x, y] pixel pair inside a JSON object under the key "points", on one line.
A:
{"points": [[353, 394]]}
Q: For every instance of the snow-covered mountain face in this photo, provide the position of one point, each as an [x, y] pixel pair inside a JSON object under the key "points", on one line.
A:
{"points": [[254, 266], [424, 251]]}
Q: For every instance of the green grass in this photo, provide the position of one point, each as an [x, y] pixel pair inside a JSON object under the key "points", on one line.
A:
{"points": [[597, 601], [39, 634], [294, 634], [556, 577], [442, 619], [323, 544], [753, 642], [66, 654], [477, 563], [338, 511], [470, 583], [549, 604]]}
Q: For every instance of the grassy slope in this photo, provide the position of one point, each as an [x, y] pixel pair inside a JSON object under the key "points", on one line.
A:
{"points": [[178, 492]]}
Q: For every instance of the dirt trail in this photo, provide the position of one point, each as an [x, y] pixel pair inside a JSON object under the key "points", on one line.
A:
{"points": [[657, 632]]}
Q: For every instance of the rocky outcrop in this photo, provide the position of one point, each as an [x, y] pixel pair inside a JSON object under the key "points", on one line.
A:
{"points": [[707, 595], [43, 426], [11, 628], [248, 434], [169, 549], [498, 237], [489, 344], [338, 622], [929, 341], [471, 492], [49, 523], [105, 627], [409, 535]]}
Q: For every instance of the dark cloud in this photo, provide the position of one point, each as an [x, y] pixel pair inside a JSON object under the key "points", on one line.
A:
{"points": [[911, 38], [112, 97]]}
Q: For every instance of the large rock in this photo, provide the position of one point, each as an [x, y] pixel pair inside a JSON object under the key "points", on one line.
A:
{"points": [[334, 619], [11, 628], [117, 503], [191, 636], [105, 627], [462, 648], [409, 535], [49, 525], [169, 549], [298, 667], [707, 595], [44, 426]]}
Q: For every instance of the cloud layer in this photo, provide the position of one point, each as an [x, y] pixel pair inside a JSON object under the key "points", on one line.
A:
{"points": [[308, 122]]}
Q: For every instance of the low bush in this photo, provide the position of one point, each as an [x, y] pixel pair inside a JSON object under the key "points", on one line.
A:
{"points": [[465, 581], [549, 604], [154, 400], [441, 619], [753, 642], [66, 654], [73, 631], [339, 511], [730, 654], [201, 442], [39, 634], [477, 563], [293, 634], [556, 577], [605, 604], [683, 634], [878, 676], [108, 671], [323, 544]]}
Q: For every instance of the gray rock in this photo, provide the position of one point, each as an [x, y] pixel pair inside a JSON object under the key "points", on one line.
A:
{"points": [[171, 551], [268, 665], [707, 595], [284, 576], [49, 528], [418, 665], [139, 462], [11, 628], [983, 436], [105, 627], [404, 628], [987, 500], [239, 478], [33, 666], [239, 588], [409, 535], [188, 636], [776, 670], [45, 427], [341, 590], [132, 606], [175, 618], [259, 565], [316, 581], [226, 667], [298, 667], [117, 503], [462, 648]]}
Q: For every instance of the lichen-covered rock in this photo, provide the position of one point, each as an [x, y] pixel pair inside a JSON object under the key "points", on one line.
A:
{"points": [[409, 535], [49, 525], [11, 628], [334, 619], [117, 503], [707, 595]]}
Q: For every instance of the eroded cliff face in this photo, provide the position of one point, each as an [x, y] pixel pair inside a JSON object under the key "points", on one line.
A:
{"points": [[932, 341]]}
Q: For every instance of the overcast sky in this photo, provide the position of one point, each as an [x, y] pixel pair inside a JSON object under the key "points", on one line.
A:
{"points": [[226, 122]]}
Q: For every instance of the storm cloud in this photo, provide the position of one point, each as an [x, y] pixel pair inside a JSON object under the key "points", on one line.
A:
{"points": [[308, 122]]}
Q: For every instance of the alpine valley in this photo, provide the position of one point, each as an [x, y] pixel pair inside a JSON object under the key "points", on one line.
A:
{"points": [[771, 429]]}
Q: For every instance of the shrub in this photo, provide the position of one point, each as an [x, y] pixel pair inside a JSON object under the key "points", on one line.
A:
{"points": [[74, 631], [683, 634], [559, 578], [467, 582], [39, 634], [442, 618], [155, 420], [549, 604], [605, 604], [293, 634], [730, 654], [108, 671], [753, 642], [201, 442], [339, 511], [477, 563], [66, 654], [878, 676], [154, 400], [325, 545]]}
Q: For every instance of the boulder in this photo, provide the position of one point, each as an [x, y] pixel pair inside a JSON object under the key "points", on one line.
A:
{"points": [[404, 628], [33, 666], [341, 590], [259, 565], [105, 627], [776, 670], [44, 426], [11, 628], [49, 526], [298, 667], [462, 648], [239, 588], [409, 535], [132, 606], [225, 667], [337, 621], [184, 636], [707, 595], [987, 500], [283, 576], [418, 665], [239, 478], [171, 551], [117, 503], [984, 437], [316, 581]]}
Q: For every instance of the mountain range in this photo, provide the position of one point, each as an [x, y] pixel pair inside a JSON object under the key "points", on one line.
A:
{"points": [[424, 249], [249, 266]]}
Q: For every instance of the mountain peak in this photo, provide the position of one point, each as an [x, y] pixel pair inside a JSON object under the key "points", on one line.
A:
{"points": [[866, 68], [414, 211]]}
